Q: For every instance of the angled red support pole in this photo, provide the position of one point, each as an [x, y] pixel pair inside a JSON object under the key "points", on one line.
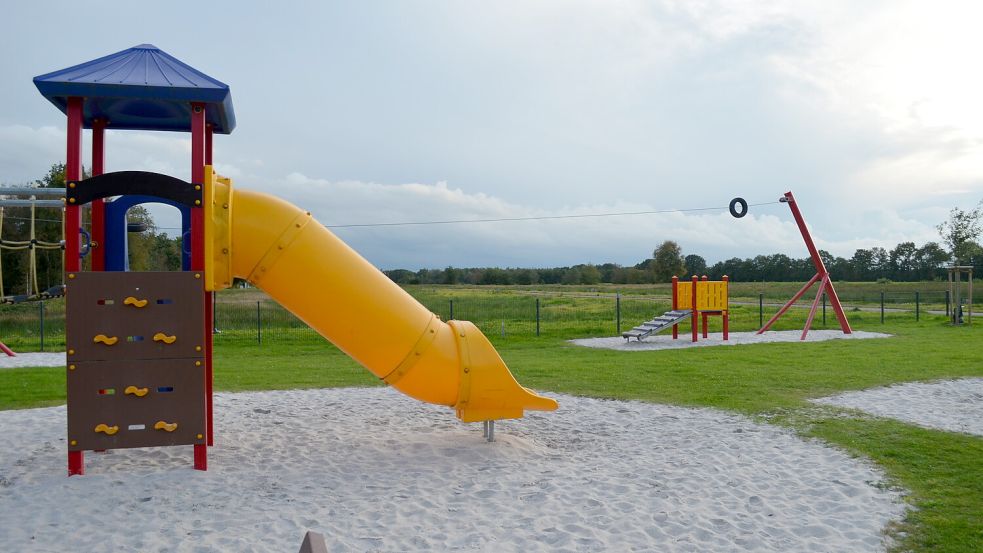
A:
{"points": [[821, 276]]}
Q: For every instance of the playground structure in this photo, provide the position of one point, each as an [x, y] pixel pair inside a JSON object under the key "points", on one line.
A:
{"points": [[697, 299], [955, 289], [821, 276], [33, 292], [139, 366]]}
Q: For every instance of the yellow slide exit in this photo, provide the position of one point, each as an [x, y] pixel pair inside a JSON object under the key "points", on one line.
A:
{"points": [[281, 249]]}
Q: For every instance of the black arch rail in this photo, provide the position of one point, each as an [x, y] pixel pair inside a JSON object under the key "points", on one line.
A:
{"points": [[121, 183]]}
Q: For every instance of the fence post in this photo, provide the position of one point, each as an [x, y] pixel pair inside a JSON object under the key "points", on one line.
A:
{"points": [[917, 306], [41, 317], [259, 326], [537, 317], [761, 310], [824, 308], [882, 307], [947, 304], [452, 310], [617, 310]]}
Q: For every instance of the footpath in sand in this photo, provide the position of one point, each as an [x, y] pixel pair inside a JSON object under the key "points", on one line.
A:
{"points": [[374, 470], [953, 405]]}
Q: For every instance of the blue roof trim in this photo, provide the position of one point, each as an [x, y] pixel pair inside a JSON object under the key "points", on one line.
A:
{"points": [[142, 88]]}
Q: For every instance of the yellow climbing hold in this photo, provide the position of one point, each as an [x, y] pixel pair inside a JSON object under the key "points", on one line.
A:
{"points": [[130, 300], [106, 429], [102, 338], [161, 337], [139, 392]]}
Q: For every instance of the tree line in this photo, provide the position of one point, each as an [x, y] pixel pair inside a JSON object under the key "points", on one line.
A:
{"points": [[905, 262]]}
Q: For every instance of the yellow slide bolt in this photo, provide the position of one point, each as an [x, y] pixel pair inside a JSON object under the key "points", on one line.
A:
{"points": [[106, 429], [161, 337], [130, 300], [166, 426], [103, 339], [139, 392]]}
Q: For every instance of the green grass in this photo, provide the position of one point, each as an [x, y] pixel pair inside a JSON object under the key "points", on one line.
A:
{"points": [[772, 382]]}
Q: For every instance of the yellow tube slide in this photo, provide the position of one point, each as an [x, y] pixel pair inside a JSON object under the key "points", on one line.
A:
{"points": [[325, 283]]}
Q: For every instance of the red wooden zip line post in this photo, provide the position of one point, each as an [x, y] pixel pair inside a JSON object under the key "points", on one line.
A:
{"points": [[821, 276]]}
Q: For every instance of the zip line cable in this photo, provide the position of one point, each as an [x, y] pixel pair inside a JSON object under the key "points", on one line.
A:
{"points": [[540, 218], [491, 220]]}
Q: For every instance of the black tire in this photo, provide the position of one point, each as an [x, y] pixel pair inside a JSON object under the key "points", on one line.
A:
{"points": [[733, 208]]}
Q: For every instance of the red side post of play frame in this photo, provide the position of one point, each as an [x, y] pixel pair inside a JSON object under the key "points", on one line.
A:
{"points": [[209, 319], [675, 305], [696, 315], [198, 250], [97, 253], [73, 172], [726, 280]]}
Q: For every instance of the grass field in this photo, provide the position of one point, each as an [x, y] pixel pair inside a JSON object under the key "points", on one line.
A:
{"points": [[771, 382]]}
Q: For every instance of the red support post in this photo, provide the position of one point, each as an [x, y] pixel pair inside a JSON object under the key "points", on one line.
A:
{"points": [[208, 143], [726, 280], [821, 276], [8, 351], [675, 305], [98, 253], [705, 325], [198, 258], [73, 172], [815, 304], [696, 314], [209, 315]]}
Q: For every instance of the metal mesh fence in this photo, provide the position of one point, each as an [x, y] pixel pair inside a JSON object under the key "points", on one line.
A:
{"points": [[39, 326]]}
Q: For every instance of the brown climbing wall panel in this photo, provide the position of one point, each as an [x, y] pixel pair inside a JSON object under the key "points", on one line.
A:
{"points": [[136, 363]]}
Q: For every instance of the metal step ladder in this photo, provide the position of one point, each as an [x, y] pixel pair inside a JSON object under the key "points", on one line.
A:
{"points": [[657, 324]]}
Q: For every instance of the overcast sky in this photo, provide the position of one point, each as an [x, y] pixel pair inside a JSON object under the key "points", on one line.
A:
{"points": [[377, 112]]}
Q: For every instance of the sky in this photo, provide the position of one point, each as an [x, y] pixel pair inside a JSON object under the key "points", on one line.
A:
{"points": [[415, 111]]}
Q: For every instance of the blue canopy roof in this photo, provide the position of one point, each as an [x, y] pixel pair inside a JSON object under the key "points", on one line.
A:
{"points": [[141, 88]]}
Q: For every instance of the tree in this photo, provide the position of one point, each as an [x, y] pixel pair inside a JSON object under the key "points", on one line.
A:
{"points": [[589, 274], [667, 261], [902, 261], [695, 264], [928, 259], [962, 228]]}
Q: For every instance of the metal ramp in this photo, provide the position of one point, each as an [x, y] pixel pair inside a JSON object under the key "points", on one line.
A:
{"points": [[657, 324]]}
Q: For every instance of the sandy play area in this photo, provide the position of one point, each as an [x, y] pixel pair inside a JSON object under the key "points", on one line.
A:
{"points": [[375, 471], [665, 341], [953, 405]]}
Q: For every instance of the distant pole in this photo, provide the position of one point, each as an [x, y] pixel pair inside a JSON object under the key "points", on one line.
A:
{"points": [[259, 326], [824, 308], [917, 306], [41, 315], [452, 310], [761, 310], [947, 304], [537, 317], [617, 309], [882, 307]]}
